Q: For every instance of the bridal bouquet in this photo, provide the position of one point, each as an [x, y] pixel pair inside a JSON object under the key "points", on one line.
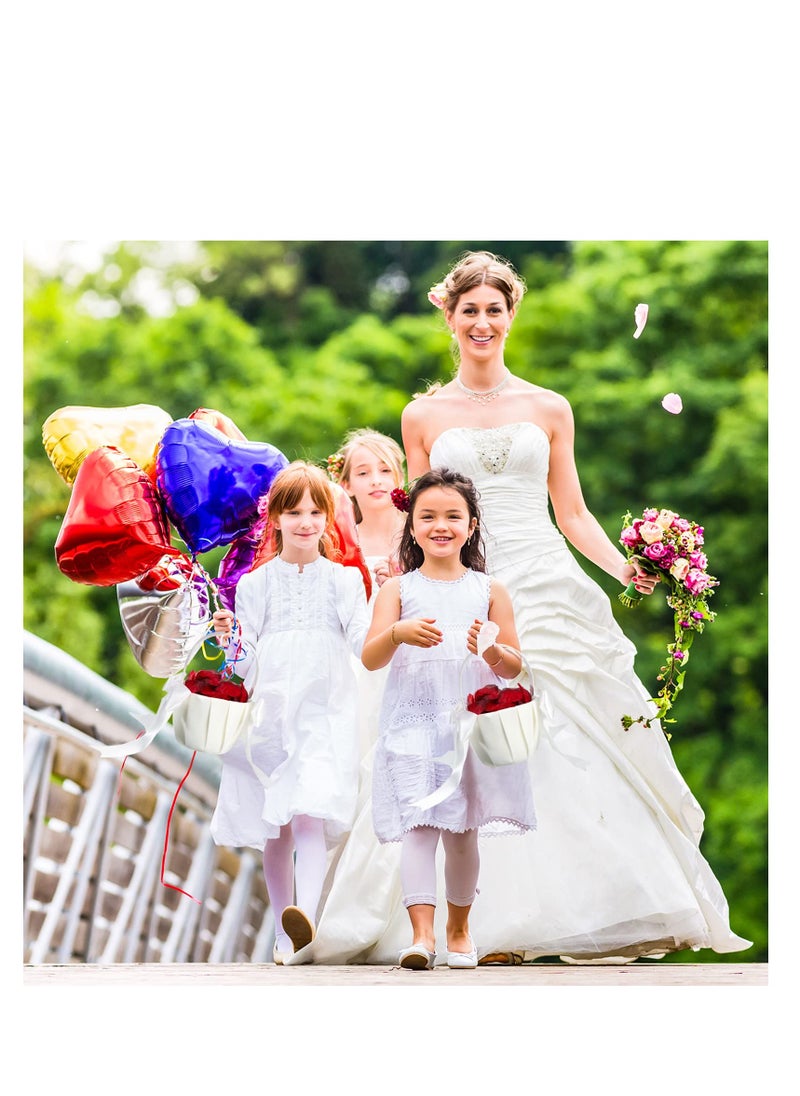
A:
{"points": [[665, 544]]}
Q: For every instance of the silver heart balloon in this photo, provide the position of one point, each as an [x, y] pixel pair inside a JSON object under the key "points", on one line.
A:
{"points": [[165, 629]]}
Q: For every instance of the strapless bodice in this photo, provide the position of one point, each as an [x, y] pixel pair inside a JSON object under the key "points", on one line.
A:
{"points": [[509, 466]]}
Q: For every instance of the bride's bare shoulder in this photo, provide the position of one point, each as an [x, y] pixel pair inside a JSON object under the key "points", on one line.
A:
{"points": [[422, 404], [539, 397]]}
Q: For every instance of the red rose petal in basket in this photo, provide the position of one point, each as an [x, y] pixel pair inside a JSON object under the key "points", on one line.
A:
{"points": [[492, 699], [211, 683]]}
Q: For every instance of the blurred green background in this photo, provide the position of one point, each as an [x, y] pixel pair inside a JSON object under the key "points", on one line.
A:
{"points": [[299, 341]]}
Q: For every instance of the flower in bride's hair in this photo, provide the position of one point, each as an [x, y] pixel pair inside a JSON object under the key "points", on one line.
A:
{"points": [[335, 466], [400, 499], [437, 294]]}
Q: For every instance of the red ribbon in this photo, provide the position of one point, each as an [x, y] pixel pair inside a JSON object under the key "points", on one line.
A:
{"points": [[166, 835]]}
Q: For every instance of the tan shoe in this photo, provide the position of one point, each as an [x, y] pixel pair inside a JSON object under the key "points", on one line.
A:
{"points": [[298, 927], [416, 957]]}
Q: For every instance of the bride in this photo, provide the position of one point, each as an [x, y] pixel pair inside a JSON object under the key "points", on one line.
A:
{"points": [[614, 870]]}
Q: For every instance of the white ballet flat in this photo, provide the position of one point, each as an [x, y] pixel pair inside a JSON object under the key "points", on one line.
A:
{"points": [[463, 960], [416, 958]]}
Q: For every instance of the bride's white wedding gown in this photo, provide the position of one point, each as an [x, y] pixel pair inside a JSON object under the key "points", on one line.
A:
{"points": [[614, 868]]}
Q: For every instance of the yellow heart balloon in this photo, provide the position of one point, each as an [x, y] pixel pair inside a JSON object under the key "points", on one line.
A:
{"points": [[71, 433]]}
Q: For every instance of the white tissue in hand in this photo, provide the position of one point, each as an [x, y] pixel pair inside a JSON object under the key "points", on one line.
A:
{"points": [[489, 631]]}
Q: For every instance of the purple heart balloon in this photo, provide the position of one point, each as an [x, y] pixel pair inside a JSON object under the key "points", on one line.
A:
{"points": [[211, 484], [236, 561]]}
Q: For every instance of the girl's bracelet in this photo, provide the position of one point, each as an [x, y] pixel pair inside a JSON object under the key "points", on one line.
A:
{"points": [[395, 642], [492, 665]]}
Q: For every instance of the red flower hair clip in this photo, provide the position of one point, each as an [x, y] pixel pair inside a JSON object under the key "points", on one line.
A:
{"points": [[400, 499]]}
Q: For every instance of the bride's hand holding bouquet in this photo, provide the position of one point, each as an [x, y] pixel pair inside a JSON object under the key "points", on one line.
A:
{"points": [[664, 544]]}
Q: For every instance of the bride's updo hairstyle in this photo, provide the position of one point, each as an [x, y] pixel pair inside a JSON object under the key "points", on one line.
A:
{"points": [[482, 268], [409, 553]]}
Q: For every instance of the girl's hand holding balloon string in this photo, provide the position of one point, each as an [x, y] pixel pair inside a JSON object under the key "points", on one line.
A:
{"points": [[223, 626]]}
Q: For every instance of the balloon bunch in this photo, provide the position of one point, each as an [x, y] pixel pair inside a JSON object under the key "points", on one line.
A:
{"points": [[135, 474]]}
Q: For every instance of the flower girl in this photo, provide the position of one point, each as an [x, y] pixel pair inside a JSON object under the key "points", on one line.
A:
{"points": [[290, 787]]}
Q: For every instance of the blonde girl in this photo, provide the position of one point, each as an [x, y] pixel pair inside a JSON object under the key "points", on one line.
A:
{"points": [[369, 466]]}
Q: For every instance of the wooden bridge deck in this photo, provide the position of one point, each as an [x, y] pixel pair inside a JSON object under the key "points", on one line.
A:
{"points": [[267, 974]]}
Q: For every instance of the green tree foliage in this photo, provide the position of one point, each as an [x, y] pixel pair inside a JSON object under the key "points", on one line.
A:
{"points": [[299, 341]]}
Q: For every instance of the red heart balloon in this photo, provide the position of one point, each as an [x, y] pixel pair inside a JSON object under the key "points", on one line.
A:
{"points": [[115, 528], [219, 421]]}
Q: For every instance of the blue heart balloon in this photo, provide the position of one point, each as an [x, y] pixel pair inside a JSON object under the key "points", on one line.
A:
{"points": [[210, 484]]}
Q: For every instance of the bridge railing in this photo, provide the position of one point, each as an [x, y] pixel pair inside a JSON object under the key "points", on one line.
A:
{"points": [[95, 848]]}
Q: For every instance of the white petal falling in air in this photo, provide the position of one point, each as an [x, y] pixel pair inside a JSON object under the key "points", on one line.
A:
{"points": [[640, 316], [672, 403]]}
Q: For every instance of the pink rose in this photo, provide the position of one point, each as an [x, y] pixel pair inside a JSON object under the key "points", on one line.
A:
{"points": [[679, 569], [686, 541], [696, 581], [629, 537], [650, 514], [699, 560], [666, 518], [662, 554], [650, 532]]}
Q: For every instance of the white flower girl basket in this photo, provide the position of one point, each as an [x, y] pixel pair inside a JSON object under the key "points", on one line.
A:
{"points": [[509, 735], [211, 724]]}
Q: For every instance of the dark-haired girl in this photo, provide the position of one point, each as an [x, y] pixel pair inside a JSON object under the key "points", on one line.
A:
{"points": [[425, 621]]}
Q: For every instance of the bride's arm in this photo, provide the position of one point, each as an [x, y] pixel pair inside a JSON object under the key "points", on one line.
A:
{"points": [[571, 513], [417, 456]]}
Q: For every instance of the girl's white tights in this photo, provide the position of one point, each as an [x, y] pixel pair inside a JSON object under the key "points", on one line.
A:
{"points": [[296, 879], [418, 866]]}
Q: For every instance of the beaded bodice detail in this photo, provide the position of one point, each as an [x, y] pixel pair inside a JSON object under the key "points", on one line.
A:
{"points": [[492, 447]]}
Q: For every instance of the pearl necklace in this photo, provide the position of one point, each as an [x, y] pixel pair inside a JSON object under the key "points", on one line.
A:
{"points": [[483, 397]]}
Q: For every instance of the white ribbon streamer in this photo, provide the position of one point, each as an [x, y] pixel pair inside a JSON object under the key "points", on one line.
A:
{"points": [[175, 692], [463, 722]]}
